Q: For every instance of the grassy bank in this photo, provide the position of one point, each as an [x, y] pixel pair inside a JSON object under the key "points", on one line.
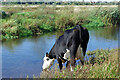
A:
{"points": [[31, 21], [105, 66]]}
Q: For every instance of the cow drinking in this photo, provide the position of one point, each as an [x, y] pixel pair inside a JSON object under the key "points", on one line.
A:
{"points": [[69, 47]]}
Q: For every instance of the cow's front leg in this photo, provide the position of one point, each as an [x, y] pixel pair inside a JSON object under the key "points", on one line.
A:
{"points": [[60, 64], [68, 65], [82, 62]]}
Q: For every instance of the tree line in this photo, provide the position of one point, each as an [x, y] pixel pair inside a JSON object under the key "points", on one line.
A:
{"points": [[65, 3]]}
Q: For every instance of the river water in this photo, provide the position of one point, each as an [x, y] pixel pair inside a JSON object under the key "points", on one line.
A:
{"points": [[24, 57]]}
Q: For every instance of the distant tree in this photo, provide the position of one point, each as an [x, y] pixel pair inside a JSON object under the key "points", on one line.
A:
{"points": [[83, 1]]}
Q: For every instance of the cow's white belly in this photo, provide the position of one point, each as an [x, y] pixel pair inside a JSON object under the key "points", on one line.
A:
{"points": [[79, 54]]}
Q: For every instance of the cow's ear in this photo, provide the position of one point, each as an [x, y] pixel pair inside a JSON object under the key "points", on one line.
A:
{"points": [[47, 55]]}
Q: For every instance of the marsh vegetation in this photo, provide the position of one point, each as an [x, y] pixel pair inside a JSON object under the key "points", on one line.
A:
{"points": [[31, 21]]}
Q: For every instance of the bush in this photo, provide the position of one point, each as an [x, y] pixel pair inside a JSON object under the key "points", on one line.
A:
{"points": [[24, 32], [3, 14], [94, 22]]}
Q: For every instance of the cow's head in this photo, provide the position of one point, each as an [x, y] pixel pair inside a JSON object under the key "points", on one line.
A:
{"points": [[47, 62]]}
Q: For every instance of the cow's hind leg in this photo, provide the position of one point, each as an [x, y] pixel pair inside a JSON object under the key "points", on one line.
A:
{"points": [[73, 50], [80, 54], [82, 59], [72, 59], [72, 64], [84, 47]]}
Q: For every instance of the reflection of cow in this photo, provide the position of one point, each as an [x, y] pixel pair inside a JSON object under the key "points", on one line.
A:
{"points": [[67, 48]]}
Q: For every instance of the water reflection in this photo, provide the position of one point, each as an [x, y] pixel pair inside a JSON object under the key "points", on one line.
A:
{"points": [[11, 44], [108, 33], [105, 38]]}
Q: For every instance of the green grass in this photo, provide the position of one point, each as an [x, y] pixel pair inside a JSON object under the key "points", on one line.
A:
{"points": [[105, 66], [25, 22], [94, 22]]}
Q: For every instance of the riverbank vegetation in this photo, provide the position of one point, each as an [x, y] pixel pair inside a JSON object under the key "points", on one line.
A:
{"points": [[31, 21], [103, 65]]}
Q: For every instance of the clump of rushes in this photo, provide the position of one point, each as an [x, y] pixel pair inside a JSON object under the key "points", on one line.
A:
{"points": [[105, 66], [109, 16]]}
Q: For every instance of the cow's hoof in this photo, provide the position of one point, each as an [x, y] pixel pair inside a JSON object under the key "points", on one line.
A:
{"points": [[60, 70], [71, 69]]}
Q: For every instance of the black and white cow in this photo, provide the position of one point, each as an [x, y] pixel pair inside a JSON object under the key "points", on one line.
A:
{"points": [[68, 48]]}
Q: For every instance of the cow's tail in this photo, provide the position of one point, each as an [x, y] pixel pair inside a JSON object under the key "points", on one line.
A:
{"points": [[80, 33]]}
